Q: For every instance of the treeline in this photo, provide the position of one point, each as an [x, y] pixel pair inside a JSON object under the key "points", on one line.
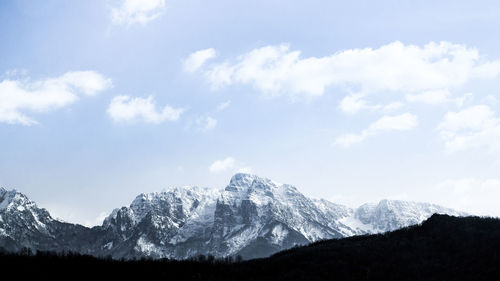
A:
{"points": [[29, 253], [442, 248], [55, 265]]}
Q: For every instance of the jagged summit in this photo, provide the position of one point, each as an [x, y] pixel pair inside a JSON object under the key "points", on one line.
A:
{"points": [[13, 202], [9, 198], [241, 179], [252, 217], [244, 182]]}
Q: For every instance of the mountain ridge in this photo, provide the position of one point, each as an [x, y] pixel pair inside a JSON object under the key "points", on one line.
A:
{"points": [[441, 248], [252, 217]]}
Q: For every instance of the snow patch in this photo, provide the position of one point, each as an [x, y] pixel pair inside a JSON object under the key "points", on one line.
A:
{"points": [[108, 245], [278, 234], [146, 247]]}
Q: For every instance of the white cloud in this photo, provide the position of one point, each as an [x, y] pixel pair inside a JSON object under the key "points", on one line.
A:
{"points": [[395, 67], [439, 96], [198, 59], [351, 104], [20, 96], [393, 106], [354, 103], [430, 97], [490, 99], [137, 11], [223, 105], [222, 165], [402, 122], [229, 164], [206, 123], [473, 127], [477, 196], [127, 109], [245, 170]]}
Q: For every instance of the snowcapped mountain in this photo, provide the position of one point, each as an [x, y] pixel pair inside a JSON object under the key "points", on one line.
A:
{"points": [[251, 217], [159, 224], [23, 224], [390, 215]]}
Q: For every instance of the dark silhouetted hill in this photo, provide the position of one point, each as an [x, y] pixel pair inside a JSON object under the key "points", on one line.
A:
{"points": [[441, 248]]}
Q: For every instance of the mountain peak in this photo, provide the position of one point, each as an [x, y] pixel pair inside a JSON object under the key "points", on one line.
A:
{"points": [[243, 181], [240, 180], [9, 198]]}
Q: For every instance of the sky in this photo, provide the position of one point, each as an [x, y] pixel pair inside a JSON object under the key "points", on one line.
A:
{"points": [[351, 101]]}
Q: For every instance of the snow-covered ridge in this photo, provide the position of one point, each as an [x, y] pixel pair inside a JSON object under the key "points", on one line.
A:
{"points": [[21, 220], [389, 215], [183, 198], [11, 198], [13, 201], [252, 217]]}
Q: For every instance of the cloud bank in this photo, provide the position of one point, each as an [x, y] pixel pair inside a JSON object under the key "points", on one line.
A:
{"points": [[395, 67]]}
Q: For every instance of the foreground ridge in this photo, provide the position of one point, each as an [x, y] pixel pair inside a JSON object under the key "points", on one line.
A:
{"points": [[252, 217]]}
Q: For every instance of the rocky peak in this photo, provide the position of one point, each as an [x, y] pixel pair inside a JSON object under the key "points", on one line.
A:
{"points": [[16, 203], [11, 198], [240, 181]]}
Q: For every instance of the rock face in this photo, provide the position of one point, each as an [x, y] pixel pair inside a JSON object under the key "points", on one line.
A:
{"points": [[252, 217]]}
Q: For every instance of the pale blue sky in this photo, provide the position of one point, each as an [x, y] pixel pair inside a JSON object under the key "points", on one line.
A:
{"points": [[370, 109]]}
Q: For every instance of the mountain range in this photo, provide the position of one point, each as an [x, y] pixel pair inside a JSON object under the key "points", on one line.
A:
{"points": [[252, 217]]}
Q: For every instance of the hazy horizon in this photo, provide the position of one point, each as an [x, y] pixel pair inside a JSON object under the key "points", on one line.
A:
{"points": [[351, 102]]}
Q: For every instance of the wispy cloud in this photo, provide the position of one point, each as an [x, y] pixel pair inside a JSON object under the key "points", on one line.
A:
{"points": [[222, 165], [223, 105], [229, 164], [352, 104], [127, 109], [474, 195], [127, 12], [206, 123], [20, 96], [472, 127], [245, 170], [435, 97], [403, 122], [198, 59]]}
